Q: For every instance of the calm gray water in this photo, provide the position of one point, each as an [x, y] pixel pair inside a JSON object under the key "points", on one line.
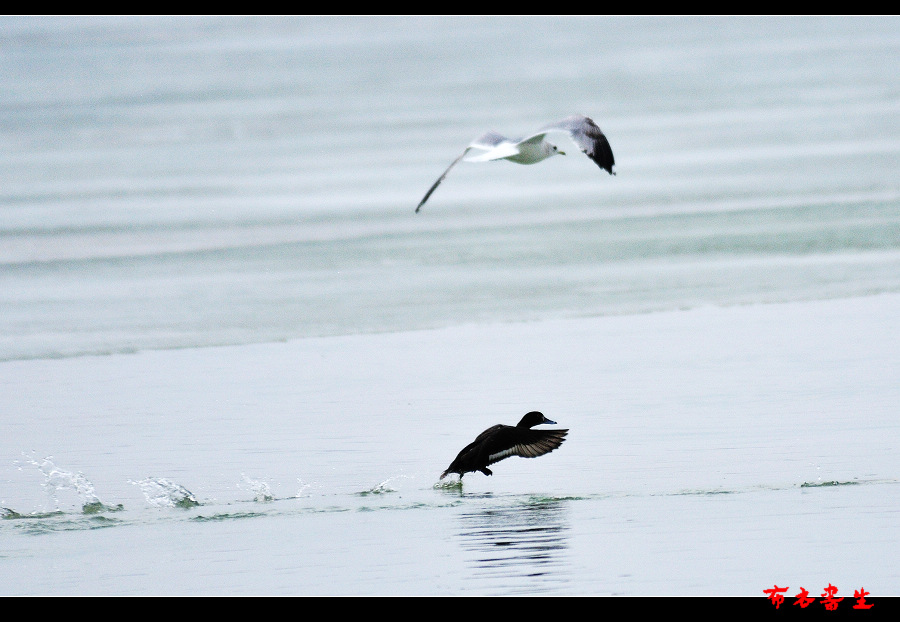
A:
{"points": [[168, 184], [173, 182]]}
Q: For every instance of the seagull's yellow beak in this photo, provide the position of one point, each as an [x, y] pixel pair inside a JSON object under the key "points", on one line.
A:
{"points": [[561, 152]]}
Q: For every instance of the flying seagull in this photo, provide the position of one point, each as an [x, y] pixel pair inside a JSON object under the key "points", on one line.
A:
{"points": [[531, 149]]}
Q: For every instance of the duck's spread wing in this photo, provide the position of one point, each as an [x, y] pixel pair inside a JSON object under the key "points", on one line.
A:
{"points": [[585, 133], [471, 451], [525, 443]]}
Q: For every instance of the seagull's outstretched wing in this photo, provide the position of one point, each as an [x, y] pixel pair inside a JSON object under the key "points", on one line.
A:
{"points": [[489, 140], [585, 133], [488, 143], [440, 179]]}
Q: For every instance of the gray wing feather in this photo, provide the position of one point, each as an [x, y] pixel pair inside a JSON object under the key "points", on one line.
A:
{"points": [[489, 140], [585, 133], [441, 178], [485, 142]]}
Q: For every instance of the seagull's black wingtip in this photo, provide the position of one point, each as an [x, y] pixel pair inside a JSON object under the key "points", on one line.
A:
{"points": [[602, 156], [605, 165]]}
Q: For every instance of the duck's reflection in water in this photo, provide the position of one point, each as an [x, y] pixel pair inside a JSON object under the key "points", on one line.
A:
{"points": [[521, 545]]}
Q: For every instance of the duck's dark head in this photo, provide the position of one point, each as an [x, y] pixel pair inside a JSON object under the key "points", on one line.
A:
{"points": [[532, 419]]}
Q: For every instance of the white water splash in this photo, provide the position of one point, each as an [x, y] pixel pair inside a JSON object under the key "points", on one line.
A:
{"points": [[163, 493], [385, 486], [57, 480], [261, 491], [304, 488]]}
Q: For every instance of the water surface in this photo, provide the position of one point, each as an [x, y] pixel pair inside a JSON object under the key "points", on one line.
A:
{"points": [[233, 360]]}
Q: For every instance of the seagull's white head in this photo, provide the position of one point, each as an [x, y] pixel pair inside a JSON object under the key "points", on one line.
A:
{"points": [[556, 150]]}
